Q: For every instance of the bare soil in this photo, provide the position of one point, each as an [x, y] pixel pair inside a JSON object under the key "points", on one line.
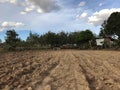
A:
{"points": [[60, 70]]}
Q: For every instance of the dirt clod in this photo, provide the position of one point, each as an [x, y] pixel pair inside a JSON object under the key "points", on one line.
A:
{"points": [[60, 70]]}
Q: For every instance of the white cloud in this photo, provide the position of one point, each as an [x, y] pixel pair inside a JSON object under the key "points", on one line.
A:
{"points": [[82, 3], [35, 5], [40, 6], [101, 4], [39, 10], [8, 1], [23, 12], [11, 24], [83, 15], [98, 17], [8, 25], [30, 8]]}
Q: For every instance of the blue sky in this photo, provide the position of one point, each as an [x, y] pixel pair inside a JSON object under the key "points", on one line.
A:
{"points": [[40, 16]]}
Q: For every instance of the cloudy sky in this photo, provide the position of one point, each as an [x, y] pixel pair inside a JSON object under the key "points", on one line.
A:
{"points": [[41, 16]]}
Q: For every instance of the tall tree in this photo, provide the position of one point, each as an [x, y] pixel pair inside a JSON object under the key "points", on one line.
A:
{"points": [[62, 36], [112, 25], [33, 39], [0, 41], [51, 38], [72, 38], [103, 29], [11, 39], [85, 36]]}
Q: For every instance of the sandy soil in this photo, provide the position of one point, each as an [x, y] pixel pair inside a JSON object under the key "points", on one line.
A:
{"points": [[60, 70]]}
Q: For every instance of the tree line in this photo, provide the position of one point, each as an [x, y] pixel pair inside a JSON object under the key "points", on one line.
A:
{"points": [[79, 39], [48, 40]]}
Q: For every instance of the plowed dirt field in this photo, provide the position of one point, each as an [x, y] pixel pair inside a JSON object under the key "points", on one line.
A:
{"points": [[60, 70]]}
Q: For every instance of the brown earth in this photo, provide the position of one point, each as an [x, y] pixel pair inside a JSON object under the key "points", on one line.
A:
{"points": [[60, 70]]}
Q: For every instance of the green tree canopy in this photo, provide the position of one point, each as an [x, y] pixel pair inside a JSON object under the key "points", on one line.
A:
{"points": [[112, 25], [51, 38], [103, 29], [62, 37], [11, 39], [33, 39], [0, 41], [84, 36]]}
